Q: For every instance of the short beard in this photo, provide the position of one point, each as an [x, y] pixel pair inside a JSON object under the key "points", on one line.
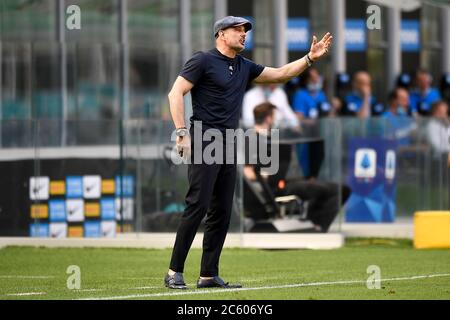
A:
{"points": [[238, 49]]}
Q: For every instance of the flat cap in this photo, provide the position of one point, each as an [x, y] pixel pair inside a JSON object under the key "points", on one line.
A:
{"points": [[231, 21]]}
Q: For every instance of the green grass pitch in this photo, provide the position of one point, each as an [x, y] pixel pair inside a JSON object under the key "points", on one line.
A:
{"points": [[41, 273]]}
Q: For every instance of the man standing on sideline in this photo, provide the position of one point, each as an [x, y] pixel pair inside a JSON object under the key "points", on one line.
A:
{"points": [[217, 80]]}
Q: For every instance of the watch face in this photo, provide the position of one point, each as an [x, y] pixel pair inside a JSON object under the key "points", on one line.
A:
{"points": [[181, 132]]}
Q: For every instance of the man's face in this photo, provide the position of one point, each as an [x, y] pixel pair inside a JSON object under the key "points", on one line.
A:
{"points": [[403, 98], [234, 37], [441, 111], [362, 81], [423, 80], [314, 76]]}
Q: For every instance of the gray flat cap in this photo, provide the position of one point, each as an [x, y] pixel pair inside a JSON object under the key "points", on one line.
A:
{"points": [[231, 21]]}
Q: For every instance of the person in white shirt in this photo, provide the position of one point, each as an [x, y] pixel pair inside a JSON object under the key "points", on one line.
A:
{"points": [[285, 117], [438, 128]]}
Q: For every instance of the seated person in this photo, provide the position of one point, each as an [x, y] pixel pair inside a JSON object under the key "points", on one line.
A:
{"points": [[360, 102], [423, 96], [322, 197], [438, 128]]}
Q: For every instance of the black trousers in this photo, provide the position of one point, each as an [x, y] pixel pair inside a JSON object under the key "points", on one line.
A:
{"points": [[323, 199], [211, 190]]}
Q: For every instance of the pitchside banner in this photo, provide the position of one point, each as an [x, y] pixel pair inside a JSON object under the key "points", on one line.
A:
{"points": [[69, 198], [410, 35], [298, 35], [371, 176], [355, 35]]}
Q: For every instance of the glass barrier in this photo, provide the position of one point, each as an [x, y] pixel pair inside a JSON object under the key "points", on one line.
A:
{"points": [[117, 176]]}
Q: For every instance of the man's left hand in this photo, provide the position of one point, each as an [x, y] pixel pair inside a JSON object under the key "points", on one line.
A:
{"points": [[319, 49]]}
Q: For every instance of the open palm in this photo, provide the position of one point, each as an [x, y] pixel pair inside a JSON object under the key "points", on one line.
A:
{"points": [[318, 49]]}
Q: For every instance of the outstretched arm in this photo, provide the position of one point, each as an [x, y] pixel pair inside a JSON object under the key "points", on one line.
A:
{"points": [[293, 69]]}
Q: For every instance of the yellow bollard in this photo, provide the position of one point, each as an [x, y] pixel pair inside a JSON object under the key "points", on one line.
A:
{"points": [[432, 229]]}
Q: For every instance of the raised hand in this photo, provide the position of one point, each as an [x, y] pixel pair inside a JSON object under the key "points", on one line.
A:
{"points": [[319, 49]]}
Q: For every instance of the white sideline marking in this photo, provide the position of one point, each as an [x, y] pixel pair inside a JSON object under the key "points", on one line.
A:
{"points": [[26, 294], [135, 288], [297, 285], [262, 279], [88, 290], [25, 277], [141, 278]]}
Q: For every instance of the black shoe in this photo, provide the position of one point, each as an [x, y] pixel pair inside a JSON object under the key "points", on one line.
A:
{"points": [[215, 282], [175, 282]]}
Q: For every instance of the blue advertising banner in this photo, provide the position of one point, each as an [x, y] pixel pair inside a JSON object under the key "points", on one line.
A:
{"points": [[74, 187], [298, 35], [108, 209], [410, 35], [127, 182], [249, 37], [355, 35], [298, 38], [39, 230], [92, 229], [57, 210], [371, 176]]}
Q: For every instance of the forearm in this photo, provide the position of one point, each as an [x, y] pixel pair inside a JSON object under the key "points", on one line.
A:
{"points": [[365, 108], [293, 69], [176, 105]]}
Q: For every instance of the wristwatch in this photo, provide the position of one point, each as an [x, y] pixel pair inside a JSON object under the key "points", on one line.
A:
{"points": [[309, 61], [181, 132]]}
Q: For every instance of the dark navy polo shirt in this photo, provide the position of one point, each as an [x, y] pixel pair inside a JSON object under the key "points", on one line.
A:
{"points": [[219, 86]]}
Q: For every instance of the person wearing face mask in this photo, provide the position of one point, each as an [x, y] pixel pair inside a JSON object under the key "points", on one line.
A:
{"points": [[399, 124], [438, 129], [311, 102]]}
